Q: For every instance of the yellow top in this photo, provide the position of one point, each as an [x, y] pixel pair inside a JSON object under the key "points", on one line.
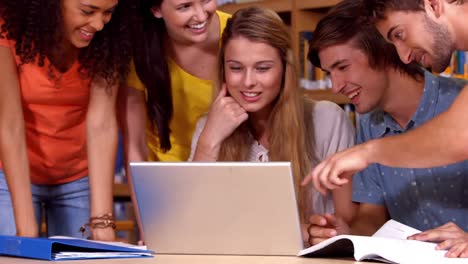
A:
{"points": [[191, 99]]}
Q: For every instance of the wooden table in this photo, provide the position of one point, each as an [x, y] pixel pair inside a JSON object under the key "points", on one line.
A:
{"points": [[191, 259]]}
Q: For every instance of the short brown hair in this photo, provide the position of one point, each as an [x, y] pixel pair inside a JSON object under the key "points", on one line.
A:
{"points": [[376, 9], [345, 23]]}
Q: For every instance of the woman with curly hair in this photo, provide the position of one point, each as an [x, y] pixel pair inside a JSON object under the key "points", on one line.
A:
{"points": [[260, 114], [61, 64]]}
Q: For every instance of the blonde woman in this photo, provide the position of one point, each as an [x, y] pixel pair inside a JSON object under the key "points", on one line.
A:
{"points": [[260, 114]]}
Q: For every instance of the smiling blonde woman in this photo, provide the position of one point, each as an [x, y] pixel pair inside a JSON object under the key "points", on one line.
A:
{"points": [[260, 114]]}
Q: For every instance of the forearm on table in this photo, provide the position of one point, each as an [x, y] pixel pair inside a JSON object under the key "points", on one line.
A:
{"points": [[135, 151], [133, 120], [13, 154], [13, 149], [102, 149]]}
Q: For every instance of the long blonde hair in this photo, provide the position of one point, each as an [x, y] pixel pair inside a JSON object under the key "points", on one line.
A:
{"points": [[291, 136]]}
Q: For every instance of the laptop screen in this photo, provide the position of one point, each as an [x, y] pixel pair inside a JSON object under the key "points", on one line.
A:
{"points": [[235, 208]]}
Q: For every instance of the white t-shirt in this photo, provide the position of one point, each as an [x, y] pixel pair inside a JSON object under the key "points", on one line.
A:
{"points": [[333, 132]]}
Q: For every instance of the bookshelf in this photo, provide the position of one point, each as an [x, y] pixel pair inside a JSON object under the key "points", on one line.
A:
{"points": [[121, 191], [300, 15], [313, 4], [304, 14], [124, 223], [279, 6], [325, 94]]}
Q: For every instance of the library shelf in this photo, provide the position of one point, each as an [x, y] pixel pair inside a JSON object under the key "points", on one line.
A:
{"points": [[125, 225], [326, 94], [278, 6], [313, 4], [121, 191]]}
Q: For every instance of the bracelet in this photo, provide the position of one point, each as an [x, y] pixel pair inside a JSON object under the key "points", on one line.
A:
{"points": [[102, 221]]}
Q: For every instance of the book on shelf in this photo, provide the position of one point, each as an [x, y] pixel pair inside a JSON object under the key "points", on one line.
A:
{"points": [[304, 64], [389, 244], [68, 248], [125, 216], [350, 111], [311, 77], [458, 66]]}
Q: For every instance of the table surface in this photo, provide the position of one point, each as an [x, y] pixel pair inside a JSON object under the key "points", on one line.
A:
{"points": [[191, 259]]}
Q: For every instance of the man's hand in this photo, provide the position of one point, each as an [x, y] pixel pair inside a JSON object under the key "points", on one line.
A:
{"points": [[323, 227], [337, 169], [449, 236]]}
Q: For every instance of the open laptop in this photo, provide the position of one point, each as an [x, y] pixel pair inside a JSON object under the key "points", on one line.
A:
{"points": [[233, 208]]}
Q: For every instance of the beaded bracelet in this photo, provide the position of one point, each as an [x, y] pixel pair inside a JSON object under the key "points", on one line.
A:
{"points": [[102, 221]]}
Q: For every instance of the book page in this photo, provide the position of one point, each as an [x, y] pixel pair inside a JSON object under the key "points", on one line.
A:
{"points": [[388, 244], [98, 255], [394, 229], [397, 250], [359, 247], [113, 243], [89, 253], [343, 246]]}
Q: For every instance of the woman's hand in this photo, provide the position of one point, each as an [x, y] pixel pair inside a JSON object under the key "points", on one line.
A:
{"points": [[224, 117], [103, 234]]}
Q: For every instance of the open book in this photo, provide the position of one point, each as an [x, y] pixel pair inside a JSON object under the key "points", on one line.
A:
{"points": [[66, 248], [388, 244]]}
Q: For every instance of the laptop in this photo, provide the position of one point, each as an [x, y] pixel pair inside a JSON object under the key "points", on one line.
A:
{"points": [[218, 208]]}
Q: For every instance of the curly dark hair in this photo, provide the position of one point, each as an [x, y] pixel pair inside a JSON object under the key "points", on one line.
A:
{"points": [[36, 27]]}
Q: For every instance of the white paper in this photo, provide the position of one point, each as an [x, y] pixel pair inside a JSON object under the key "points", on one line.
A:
{"points": [[114, 243], [394, 229], [96, 255], [63, 255], [388, 244]]}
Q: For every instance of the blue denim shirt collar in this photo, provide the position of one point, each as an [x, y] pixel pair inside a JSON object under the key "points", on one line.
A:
{"points": [[424, 112]]}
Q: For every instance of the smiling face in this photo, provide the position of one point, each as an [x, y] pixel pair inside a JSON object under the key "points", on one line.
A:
{"points": [[352, 76], [253, 74], [83, 18], [418, 37], [187, 21]]}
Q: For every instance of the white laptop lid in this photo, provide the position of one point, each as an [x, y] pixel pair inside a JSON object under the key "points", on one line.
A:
{"points": [[235, 208]]}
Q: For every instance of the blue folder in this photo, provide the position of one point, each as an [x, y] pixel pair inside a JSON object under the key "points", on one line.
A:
{"points": [[53, 249]]}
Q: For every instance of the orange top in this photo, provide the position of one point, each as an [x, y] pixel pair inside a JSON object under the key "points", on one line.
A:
{"points": [[55, 117]]}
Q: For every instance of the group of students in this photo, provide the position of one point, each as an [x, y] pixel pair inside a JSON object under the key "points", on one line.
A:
{"points": [[184, 81]]}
